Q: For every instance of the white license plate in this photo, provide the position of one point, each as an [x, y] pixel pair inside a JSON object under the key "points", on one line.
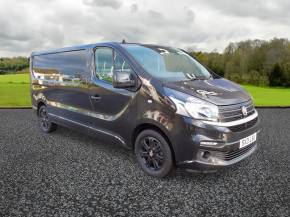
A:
{"points": [[248, 140]]}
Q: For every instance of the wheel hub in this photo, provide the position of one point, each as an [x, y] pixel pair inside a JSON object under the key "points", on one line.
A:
{"points": [[43, 118], [152, 153]]}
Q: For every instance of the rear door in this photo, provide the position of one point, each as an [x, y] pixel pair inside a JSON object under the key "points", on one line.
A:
{"points": [[115, 109]]}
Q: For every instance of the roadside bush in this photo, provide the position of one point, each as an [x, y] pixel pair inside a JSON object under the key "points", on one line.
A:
{"points": [[255, 77], [246, 78], [233, 77], [286, 75], [276, 75], [263, 80]]}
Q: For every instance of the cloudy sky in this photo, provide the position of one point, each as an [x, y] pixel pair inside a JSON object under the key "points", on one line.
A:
{"points": [[197, 24]]}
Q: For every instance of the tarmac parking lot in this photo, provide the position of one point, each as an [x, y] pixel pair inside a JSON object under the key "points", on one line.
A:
{"points": [[66, 173]]}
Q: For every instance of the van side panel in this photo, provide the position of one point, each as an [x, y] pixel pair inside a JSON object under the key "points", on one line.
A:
{"points": [[61, 80], [65, 82]]}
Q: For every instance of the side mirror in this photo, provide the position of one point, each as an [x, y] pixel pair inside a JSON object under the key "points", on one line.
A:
{"points": [[123, 79]]}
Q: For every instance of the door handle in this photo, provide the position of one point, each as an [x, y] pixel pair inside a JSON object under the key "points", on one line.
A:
{"points": [[96, 97]]}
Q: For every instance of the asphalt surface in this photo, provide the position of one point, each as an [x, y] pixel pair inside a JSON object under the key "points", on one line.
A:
{"points": [[69, 174]]}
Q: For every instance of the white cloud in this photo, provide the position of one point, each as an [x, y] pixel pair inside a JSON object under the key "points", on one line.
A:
{"points": [[134, 8], [115, 4], [207, 25]]}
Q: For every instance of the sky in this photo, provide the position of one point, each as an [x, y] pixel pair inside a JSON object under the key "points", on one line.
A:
{"points": [[205, 25]]}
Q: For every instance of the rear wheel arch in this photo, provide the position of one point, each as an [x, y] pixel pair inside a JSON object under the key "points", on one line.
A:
{"points": [[45, 124], [39, 104]]}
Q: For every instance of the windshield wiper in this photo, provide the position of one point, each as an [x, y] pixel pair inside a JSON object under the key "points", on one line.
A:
{"points": [[194, 79], [201, 78]]}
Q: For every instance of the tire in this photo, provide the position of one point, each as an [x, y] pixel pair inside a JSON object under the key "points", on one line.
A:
{"points": [[43, 120], [153, 153]]}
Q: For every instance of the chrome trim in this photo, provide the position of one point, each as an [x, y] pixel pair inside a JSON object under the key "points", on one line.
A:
{"points": [[233, 116], [221, 110], [92, 128], [233, 123]]}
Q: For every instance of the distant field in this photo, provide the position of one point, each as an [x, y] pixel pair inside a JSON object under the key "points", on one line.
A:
{"points": [[14, 78], [14, 92], [269, 96]]}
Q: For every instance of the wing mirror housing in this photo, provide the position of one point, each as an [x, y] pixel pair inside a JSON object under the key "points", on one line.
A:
{"points": [[123, 79]]}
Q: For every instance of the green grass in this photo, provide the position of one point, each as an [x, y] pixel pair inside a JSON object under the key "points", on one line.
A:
{"points": [[15, 92], [14, 78], [269, 96]]}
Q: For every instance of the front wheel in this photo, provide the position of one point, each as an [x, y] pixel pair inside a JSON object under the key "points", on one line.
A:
{"points": [[44, 123], [153, 153]]}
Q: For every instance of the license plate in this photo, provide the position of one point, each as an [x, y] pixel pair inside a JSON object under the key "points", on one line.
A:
{"points": [[248, 140]]}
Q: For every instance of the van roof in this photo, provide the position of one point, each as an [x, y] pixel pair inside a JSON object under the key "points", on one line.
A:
{"points": [[78, 47], [88, 46]]}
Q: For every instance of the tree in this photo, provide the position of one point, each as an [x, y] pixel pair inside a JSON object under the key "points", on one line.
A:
{"points": [[254, 62], [276, 75]]}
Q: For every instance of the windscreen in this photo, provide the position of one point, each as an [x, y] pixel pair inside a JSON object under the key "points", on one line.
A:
{"points": [[167, 64]]}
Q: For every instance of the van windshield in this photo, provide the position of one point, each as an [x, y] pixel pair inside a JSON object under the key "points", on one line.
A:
{"points": [[167, 64]]}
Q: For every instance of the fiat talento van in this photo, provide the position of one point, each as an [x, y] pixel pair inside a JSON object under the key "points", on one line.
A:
{"points": [[156, 100]]}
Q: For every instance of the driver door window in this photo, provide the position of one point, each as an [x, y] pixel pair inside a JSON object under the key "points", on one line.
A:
{"points": [[104, 63]]}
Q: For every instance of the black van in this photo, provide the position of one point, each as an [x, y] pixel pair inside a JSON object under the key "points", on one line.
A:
{"points": [[156, 100]]}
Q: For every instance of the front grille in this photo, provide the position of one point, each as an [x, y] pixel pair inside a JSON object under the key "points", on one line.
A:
{"points": [[244, 126], [234, 112], [230, 155]]}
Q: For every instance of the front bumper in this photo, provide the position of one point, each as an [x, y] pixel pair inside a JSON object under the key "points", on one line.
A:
{"points": [[216, 147]]}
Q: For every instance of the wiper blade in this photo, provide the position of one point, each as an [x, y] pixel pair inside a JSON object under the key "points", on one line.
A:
{"points": [[201, 78], [194, 79]]}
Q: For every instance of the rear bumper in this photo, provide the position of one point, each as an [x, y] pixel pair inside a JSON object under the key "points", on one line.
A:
{"points": [[216, 147]]}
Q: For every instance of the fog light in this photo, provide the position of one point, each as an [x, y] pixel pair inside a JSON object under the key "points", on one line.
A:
{"points": [[205, 154], [208, 143]]}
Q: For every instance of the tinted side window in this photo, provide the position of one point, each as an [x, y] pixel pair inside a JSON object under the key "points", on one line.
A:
{"points": [[104, 63], [64, 67]]}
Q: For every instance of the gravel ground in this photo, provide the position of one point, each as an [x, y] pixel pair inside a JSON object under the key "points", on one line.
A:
{"points": [[69, 174]]}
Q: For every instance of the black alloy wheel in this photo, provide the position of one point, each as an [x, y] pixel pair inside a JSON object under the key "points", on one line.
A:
{"points": [[44, 122], [153, 153]]}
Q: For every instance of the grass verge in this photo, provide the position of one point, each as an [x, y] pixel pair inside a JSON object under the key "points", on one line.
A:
{"points": [[15, 92], [269, 96]]}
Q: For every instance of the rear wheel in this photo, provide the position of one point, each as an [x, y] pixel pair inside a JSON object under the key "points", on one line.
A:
{"points": [[44, 122], [153, 153]]}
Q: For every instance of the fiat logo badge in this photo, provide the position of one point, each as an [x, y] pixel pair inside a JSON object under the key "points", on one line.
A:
{"points": [[244, 111]]}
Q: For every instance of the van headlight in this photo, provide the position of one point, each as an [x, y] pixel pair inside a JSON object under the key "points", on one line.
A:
{"points": [[190, 106]]}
